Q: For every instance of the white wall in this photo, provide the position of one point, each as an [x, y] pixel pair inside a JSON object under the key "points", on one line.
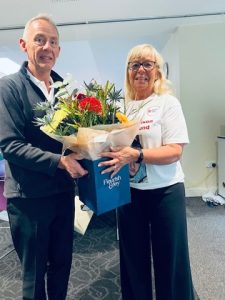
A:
{"points": [[101, 59], [170, 53], [201, 68]]}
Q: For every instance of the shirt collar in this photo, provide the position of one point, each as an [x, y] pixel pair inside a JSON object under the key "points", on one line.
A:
{"points": [[41, 85]]}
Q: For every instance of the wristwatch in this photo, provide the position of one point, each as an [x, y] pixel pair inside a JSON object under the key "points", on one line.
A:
{"points": [[140, 157]]}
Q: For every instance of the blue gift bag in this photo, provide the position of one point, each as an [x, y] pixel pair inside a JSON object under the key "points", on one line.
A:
{"points": [[101, 193]]}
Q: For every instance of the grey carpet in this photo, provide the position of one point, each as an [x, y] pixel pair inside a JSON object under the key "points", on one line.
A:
{"points": [[5, 239], [206, 226], [95, 268]]}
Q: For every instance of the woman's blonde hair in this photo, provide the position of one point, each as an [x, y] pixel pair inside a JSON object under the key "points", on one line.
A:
{"points": [[161, 85]]}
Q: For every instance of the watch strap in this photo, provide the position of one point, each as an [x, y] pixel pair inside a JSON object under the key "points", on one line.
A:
{"points": [[141, 156]]}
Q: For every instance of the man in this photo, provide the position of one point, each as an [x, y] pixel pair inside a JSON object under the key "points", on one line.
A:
{"points": [[39, 184]]}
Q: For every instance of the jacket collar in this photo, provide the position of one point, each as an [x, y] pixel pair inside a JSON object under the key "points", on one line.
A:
{"points": [[53, 74]]}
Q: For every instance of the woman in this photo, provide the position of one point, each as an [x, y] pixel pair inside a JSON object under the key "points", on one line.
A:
{"points": [[154, 224]]}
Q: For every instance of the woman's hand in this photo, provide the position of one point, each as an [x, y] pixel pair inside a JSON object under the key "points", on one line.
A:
{"points": [[163, 155], [120, 156]]}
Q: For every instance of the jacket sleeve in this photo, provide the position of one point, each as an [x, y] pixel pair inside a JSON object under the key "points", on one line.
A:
{"points": [[15, 124]]}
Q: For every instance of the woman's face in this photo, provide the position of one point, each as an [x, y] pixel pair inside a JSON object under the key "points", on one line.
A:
{"points": [[142, 75]]}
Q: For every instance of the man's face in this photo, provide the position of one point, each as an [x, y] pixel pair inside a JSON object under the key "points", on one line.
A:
{"points": [[41, 44]]}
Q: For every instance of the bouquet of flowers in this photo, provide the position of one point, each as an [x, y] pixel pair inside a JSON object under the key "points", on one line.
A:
{"points": [[87, 121]]}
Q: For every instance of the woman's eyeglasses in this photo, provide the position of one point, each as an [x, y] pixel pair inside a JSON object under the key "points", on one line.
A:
{"points": [[147, 65]]}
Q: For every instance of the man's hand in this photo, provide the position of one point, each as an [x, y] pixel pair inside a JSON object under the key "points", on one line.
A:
{"points": [[72, 166]]}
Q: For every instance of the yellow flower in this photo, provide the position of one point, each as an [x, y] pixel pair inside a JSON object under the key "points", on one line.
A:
{"points": [[121, 117], [58, 117]]}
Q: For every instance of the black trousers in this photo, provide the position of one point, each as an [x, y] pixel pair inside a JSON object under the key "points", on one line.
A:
{"points": [[153, 228], [42, 232]]}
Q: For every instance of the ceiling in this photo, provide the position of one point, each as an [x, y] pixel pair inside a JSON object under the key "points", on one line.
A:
{"points": [[102, 19]]}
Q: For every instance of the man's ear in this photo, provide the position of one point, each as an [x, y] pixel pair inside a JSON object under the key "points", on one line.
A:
{"points": [[23, 45], [59, 51]]}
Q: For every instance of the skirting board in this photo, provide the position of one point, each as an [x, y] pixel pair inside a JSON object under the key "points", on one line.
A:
{"points": [[198, 192]]}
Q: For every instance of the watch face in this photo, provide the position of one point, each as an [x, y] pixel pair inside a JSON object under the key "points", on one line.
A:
{"points": [[166, 69]]}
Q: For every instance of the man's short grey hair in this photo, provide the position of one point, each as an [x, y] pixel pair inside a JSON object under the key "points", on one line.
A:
{"points": [[45, 17]]}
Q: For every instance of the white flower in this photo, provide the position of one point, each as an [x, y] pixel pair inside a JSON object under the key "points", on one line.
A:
{"points": [[68, 86]]}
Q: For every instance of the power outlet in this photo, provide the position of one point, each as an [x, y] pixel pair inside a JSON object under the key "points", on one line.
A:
{"points": [[210, 164]]}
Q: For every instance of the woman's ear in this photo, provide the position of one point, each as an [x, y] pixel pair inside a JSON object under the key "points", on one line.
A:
{"points": [[159, 75], [23, 45]]}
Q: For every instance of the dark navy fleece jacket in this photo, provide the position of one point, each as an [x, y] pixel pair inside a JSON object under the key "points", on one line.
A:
{"points": [[31, 156]]}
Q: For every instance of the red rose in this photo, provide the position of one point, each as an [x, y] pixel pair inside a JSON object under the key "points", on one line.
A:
{"points": [[91, 104], [81, 96]]}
